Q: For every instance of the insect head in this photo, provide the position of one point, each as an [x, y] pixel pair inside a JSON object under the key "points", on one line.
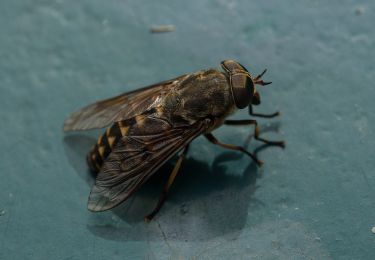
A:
{"points": [[243, 84]]}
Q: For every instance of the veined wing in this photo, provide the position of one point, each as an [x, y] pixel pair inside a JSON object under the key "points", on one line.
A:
{"points": [[150, 142], [127, 105]]}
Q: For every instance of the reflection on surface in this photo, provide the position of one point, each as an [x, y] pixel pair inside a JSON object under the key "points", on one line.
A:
{"points": [[204, 202]]}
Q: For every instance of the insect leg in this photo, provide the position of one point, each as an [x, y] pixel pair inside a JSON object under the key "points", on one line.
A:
{"points": [[213, 140], [256, 131], [262, 115], [171, 178]]}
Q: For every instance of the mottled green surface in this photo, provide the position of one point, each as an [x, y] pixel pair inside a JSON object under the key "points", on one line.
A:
{"points": [[315, 199]]}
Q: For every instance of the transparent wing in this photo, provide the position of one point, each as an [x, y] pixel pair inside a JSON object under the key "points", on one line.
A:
{"points": [[137, 156], [127, 105]]}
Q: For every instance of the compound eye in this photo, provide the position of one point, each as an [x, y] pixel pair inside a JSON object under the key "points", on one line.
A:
{"points": [[240, 90], [232, 66]]}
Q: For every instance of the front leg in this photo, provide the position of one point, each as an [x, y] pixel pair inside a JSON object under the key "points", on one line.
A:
{"points": [[262, 115], [256, 131]]}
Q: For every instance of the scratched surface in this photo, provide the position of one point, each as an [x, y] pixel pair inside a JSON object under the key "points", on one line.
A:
{"points": [[315, 199]]}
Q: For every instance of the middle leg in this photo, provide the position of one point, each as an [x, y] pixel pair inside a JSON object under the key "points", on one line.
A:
{"points": [[256, 131], [171, 178], [213, 140]]}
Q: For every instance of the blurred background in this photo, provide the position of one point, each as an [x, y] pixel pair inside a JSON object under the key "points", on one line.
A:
{"points": [[313, 200]]}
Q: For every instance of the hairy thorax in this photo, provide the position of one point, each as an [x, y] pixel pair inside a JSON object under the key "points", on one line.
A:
{"points": [[205, 94]]}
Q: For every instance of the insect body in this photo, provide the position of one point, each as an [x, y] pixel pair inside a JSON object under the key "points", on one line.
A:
{"points": [[150, 125]]}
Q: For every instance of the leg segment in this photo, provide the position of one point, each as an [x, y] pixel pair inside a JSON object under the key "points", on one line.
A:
{"points": [[171, 178], [256, 131], [262, 115], [213, 140]]}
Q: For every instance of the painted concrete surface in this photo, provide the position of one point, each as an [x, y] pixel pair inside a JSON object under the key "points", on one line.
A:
{"points": [[313, 200]]}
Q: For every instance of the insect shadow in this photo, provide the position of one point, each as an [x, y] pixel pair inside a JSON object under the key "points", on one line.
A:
{"points": [[205, 201]]}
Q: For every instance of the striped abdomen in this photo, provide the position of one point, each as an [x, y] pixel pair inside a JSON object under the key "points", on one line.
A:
{"points": [[104, 145]]}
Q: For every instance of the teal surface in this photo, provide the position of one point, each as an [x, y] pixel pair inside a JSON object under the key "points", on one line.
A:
{"points": [[313, 200]]}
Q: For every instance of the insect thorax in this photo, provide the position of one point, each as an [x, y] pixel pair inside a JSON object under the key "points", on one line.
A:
{"points": [[206, 94]]}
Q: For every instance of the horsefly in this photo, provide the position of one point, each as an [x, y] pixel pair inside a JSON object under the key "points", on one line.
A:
{"points": [[150, 125]]}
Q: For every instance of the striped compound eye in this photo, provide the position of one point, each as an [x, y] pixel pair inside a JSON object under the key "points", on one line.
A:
{"points": [[242, 85], [242, 89], [232, 66]]}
